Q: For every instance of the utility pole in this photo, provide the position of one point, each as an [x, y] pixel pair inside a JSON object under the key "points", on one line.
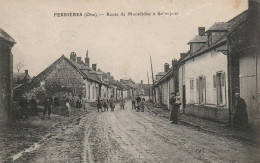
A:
{"points": [[153, 92], [149, 86]]}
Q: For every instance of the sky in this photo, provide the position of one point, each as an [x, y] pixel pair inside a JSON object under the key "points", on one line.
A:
{"points": [[121, 45]]}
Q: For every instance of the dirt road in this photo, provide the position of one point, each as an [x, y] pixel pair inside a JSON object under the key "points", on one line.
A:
{"points": [[129, 136]]}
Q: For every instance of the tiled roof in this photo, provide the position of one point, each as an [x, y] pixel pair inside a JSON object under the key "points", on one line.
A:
{"points": [[232, 24], [220, 26], [6, 36], [84, 72], [199, 39]]}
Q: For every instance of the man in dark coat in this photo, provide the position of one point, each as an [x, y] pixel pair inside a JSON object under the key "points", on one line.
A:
{"points": [[24, 106], [174, 107], [138, 100], [240, 112], [34, 107]]}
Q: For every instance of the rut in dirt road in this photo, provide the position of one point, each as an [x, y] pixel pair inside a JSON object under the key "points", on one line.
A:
{"points": [[129, 136]]}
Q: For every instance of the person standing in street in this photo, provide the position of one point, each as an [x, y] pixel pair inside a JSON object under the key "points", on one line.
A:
{"points": [[240, 113], [122, 103], [105, 103], [174, 109], [23, 103], [133, 102], [111, 103], [138, 101], [99, 104], [142, 105], [34, 107], [47, 105]]}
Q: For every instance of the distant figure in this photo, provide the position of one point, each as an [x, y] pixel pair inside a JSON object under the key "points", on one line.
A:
{"points": [[68, 107], [24, 106], [138, 100], [99, 104], [133, 102], [34, 107], [240, 112], [49, 108], [142, 105], [111, 103], [122, 103], [105, 103], [79, 102], [85, 105]]}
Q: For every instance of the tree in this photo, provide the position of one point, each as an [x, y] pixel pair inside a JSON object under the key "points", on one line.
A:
{"points": [[19, 65]]}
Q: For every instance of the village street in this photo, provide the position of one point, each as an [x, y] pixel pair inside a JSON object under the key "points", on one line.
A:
{"points": [[129, 136]]}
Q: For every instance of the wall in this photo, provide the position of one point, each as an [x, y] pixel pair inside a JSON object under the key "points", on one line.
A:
{"points": [[6, 70], [206, 65], [249, 88]]}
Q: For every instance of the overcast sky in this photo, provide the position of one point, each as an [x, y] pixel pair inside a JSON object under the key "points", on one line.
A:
{"points": [[120, 45]]}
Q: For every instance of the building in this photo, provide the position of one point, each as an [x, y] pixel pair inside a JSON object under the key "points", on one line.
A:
{"points": [[142, 89], [129, 85], [166, 84], [68, 77], [244, 61], [20, 82], [6, 74], [204, 72]]}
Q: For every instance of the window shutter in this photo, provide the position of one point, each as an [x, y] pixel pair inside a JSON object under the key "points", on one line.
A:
{"points": [[214, 81], [197, 90], [223, 79], [204, 90]]}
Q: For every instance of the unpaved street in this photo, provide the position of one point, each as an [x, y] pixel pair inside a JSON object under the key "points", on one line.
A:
{"points": [[129, 136]]}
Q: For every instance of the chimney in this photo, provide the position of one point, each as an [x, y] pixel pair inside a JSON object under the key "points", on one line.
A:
{"points": [[26, 72], [201, 31], [166, 67], [121, 80], [141, 81], [94, 67], [108, 73], [87, 59], [174, 62], [79, 60], [182, 55], [73, 56]]}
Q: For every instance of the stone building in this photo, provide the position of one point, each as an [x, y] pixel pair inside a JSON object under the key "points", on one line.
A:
{"points": [[6, 74], [68, 77]]}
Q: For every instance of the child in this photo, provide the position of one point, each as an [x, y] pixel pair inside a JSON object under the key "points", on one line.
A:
{"points": [[142, 105], [68, 107]]}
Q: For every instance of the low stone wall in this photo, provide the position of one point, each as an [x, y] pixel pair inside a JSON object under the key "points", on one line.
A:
{"points": [[208, 112]]}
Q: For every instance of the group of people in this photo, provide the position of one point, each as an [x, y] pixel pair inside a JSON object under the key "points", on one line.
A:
{"points": [[138, 103], [30, 107], [105, 103]]}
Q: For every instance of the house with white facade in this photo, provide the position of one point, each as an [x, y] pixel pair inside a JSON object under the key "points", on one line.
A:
{"points": [[203, 73]]}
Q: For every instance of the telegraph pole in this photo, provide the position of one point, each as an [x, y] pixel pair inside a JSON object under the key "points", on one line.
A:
{"points": [[153, 92]]}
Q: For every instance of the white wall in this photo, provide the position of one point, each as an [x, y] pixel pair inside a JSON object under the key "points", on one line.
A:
{"points": [[206, 65]]}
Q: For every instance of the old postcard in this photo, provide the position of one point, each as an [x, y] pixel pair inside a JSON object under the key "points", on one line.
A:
{"points": [[129, 81]]}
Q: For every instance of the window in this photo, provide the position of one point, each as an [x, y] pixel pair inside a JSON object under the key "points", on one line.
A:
{"points": [[192, 91], [219, 87], [93, 92], [88, 91], [201, 90]]}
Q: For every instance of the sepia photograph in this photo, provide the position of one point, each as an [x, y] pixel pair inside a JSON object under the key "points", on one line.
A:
{"points": [[129, 81]]}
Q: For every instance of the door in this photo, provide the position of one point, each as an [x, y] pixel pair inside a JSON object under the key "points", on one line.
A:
{"points": [[183, 98]]}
